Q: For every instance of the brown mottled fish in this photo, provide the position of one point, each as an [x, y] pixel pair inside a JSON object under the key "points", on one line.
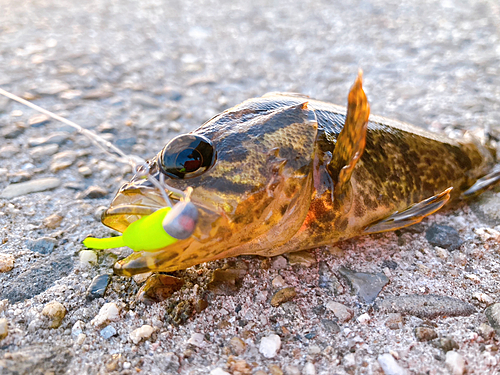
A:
{"points": [[283, 173]]}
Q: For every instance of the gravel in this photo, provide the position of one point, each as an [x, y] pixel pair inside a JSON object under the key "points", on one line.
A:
{"points": [[140, 73]]}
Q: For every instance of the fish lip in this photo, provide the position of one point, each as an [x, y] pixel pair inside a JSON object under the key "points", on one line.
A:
{"points": [[138, 198]]}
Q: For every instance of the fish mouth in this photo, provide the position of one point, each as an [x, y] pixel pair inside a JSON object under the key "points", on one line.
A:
{"points": [[142, 196]]}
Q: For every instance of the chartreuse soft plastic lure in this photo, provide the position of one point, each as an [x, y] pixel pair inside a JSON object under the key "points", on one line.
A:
{"points": [[153, 232]]}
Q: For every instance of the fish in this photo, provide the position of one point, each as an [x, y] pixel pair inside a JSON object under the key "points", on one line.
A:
{"points": [[284, 173]]}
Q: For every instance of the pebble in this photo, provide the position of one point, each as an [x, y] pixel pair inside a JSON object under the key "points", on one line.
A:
{"points": [[226, 282], [98, 286], [81, 338], [279, 263], [343, 313], [278, 282], [38, 120], [109, 312], [158, 288], [140, 333], [87, 258], [389, 365], [283, 295], [292, 370], [366, 286], [443, 236], [52, 87], [486, 331], [8, 151], [93, 192], [52, 221], [394, 321], [425, 306], [197, 339], [274, 369], [303, 258], [364, 318], [237, 345], [4, 328], [446, 344], [330, 326], [107, 332], [455, 362], [85, 171], [219, 371], [270, 345], [98, 94], [146, 101], [425, 334], [57, 138], [492, 312], [482, 297], [56, 312], [12, 132], [63, 160], [40, 152], [77, 328], [486, 207], [6, 262], [33, 186], [43, 245], [179, 313], [309, 369]]}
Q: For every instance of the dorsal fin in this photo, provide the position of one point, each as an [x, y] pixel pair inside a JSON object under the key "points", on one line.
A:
{"points": [[351, 140]]}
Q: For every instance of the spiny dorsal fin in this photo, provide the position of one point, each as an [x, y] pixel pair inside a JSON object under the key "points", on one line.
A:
{"points": [[351, 140]]}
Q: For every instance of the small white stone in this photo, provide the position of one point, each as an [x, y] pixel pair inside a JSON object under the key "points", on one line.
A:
{"points": [[473, 277], [269, 346], [219, 371], [292, 370], [278, 282], [109, 313], [343, 313], [455, 363], [81, 338], [389, 365], [349, 360], [140, 333], [364, 318], [4, 328], [77, 328], [309, 369], [87, 258], [314, 349], [197, 339], [482, 297], [6, 262], [126, 365]]}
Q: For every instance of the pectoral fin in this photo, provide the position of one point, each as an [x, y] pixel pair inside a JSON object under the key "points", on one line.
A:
{"points": [[482, 185], [351, 140], [412, 215]]}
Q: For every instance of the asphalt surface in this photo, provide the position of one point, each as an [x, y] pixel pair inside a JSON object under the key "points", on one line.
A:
{"points": [[139, 73]]}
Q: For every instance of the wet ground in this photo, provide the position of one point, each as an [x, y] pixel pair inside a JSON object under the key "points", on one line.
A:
{"points": [[139, 73]]}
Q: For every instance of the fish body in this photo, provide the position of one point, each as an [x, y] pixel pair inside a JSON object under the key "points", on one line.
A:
{"points": [[284, 178]]}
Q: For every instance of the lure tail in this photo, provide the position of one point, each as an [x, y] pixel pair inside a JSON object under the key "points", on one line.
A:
{"points": [[104, 243]]}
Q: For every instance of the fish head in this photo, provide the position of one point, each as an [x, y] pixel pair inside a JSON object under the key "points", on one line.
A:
{"points": [[251, 173]]}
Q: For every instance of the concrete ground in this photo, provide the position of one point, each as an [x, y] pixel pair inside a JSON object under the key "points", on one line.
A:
{"points": [[140, 73]]}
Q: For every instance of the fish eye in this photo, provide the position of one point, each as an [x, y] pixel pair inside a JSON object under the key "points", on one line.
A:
{"points": [[187, 156]]}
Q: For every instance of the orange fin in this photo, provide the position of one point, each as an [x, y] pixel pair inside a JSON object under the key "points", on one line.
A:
{"points": [[351, 140], [412, 215]]}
